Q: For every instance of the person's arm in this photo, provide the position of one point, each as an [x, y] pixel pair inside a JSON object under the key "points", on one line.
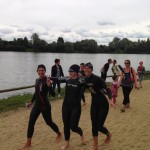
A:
{"points": [[52, 70], [134, 77], [104, 86], [62, 74]]}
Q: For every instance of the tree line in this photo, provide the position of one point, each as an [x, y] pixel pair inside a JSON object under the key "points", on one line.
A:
{"points": [[36, 44]]}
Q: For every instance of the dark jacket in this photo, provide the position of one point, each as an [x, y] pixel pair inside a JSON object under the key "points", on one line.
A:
{"points": [[54, 71]]}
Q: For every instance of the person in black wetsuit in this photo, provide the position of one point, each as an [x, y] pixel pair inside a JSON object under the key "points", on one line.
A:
{"points": [[104, 70], [82, 75], [71, 108], [100, 105], [41, 105]]}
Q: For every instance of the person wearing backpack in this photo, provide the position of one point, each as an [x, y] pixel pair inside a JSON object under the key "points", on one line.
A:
{"points": [[127, 80]]}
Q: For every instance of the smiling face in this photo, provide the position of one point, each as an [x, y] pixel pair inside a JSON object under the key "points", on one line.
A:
{"points": [[87, 71], [41, 72]]}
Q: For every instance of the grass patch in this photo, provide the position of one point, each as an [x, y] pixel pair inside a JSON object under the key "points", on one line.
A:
{"points": [[14, 102], [17, 101]]}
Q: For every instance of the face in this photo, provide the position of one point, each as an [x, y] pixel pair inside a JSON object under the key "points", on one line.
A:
{"points": [[72, 75], [114, 62], [88, 71], [81, 67], [127, 63], [141, 64], [41, 72]]}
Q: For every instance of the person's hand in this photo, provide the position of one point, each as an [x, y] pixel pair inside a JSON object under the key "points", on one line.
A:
{"points": [[48, 82], [29, 104]]}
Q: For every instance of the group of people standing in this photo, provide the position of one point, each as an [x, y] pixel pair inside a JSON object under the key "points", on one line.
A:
{"points": [[126, 77], [79, 78]]}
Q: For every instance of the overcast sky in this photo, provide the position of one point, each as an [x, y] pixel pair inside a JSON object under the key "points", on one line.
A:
{"points": [[75, 20]]}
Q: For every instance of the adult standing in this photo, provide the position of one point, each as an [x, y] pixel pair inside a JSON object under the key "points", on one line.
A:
{"points": [[99, 106], [127, 80], [104, 69], [141, 72], [57, 71], [115, 69], [41, 105]]}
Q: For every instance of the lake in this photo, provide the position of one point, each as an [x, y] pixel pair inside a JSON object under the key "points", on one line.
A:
{"points": [[19, 68]]}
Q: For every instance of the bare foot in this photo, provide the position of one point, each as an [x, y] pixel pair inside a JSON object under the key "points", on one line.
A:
{"points": [[94, 148], [26, 146], [58, 138], [107, 140], [83, 140], [65, 146]]}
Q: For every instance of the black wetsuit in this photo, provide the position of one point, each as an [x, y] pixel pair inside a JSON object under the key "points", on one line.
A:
{"points": [[41, 105], [99, 106], [71, 109], [82, 75]]}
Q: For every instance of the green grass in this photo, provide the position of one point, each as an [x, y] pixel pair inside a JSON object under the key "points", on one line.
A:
{"points": [[17, 101], [14, 102]]}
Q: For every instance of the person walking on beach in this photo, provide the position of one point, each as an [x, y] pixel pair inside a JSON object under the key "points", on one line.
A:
{"points": [[82, 75], [127, 80], [104, 69], [71, 108], [99, 105], [57, 71], [41, 105], [141, 72], [114, 88]]}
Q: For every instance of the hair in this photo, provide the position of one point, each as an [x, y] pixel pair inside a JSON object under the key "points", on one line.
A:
{"points": [[89, 65], [109, 60], [114, 77], [115, 60], [128, 61], [57, 60], [82, 64], [41, 66]]}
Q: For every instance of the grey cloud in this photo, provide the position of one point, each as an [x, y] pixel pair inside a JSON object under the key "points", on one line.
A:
{"points": [[104, 23], [138, 35], [86, 34], [6, 31], [66, 30], [25, 30]]}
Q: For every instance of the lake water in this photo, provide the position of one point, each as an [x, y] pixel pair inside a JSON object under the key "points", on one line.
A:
{"points": [[19, 68]]}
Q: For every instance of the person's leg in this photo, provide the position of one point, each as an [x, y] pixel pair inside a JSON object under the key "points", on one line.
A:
{"points": [[129, 89], [74, 121], [54, 85], [94, 126], [59, 88], [66, 121], [102, 115], [35, 112], [48, 119], [125, 98]]}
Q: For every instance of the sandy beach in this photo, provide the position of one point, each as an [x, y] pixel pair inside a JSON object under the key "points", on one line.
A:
{"points": [[130, 130]]}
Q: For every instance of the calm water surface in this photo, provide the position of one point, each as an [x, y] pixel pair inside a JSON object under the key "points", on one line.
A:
{"points": [[19, 68]]}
